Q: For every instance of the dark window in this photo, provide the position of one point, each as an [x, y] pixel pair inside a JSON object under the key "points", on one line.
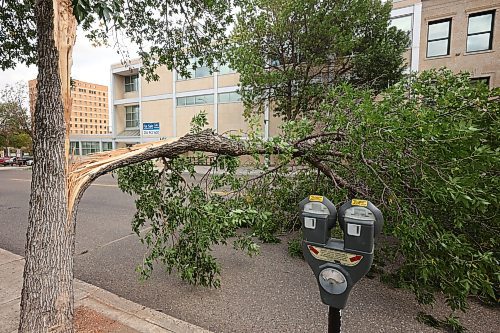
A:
{"points": [[480, 31], [438, 38], [481, 80]]}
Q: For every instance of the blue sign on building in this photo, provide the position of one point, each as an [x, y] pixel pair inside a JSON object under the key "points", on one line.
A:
{"points": [[151, 128]]}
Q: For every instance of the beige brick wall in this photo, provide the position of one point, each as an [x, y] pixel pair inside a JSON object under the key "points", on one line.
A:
{"points": [[160, 87], [159, 111], [119, 118], [186, 113], [231, 118], [89, 110], [195, 84], [228, 80], [396, 4], [480, 64]]}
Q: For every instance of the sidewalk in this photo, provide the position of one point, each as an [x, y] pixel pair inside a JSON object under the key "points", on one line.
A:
{"points": [[125, 316]]}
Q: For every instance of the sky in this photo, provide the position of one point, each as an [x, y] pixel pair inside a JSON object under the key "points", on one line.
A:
{"points": [[90, 64]]}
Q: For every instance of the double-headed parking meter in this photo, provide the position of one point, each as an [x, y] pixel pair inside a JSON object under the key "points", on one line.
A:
{"points": [[338, 264]]}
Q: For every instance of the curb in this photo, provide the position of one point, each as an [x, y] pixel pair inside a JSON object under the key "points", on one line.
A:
{"points": [[121, 310]]}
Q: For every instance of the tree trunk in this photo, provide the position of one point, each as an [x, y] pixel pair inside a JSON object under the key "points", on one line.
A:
{"points": [[57, 187], [47, 295]]}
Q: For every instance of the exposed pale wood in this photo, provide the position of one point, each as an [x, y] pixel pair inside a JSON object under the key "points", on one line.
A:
{"points": [[84, 172], [65, 36]]}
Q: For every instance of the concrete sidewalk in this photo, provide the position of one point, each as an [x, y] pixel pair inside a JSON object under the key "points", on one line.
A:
{"points": [[129, 315]]}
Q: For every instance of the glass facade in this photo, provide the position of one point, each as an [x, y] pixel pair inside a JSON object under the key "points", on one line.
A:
{"points": [[195, 100], [229, 97], [225, 69], [107, 146], [194, 73], [90, 147]]}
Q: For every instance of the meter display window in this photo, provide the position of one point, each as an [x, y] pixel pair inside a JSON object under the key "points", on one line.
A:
{"points": [[316, 208]]}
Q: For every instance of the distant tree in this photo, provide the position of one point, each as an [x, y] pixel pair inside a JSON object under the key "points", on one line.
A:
{"points": [[15, 119], [291, 52]]}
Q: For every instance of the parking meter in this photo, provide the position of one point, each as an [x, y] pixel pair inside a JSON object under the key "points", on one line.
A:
{"points": [[338, 264]]}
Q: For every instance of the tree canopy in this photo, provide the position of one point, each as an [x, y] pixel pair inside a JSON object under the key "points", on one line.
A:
{"points": [[425, 151], [15, 120], [291, 52]]}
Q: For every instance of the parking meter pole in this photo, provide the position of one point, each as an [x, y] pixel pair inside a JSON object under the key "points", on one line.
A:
{"points": [[338, 264], [334, 320]]}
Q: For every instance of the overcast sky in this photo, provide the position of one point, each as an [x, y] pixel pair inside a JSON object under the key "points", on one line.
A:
{"points": [[89, 64]]}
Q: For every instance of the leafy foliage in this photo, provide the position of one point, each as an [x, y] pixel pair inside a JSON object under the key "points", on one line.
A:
{"points": [[167, 33], [17, 33], [426, 152], [15, 120], [180, 221], [291, 52]]}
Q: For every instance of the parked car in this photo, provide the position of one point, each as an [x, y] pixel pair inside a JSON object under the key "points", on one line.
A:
{"points": [[4, 159], [19, 161], [29, 162]]}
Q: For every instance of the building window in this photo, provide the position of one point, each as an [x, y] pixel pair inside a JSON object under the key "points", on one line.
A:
{"points": [[480, 31], [195, 100], [131, 83], [481, 80], [107, 146], [225, 69], [229, 97], [89, 147], [74, 147], [438, 38], [403, 23], [200, 71], [132, 116]]}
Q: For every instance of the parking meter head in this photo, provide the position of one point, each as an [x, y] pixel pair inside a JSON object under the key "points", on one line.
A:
{"points": [[318, 217], [361, 222]]}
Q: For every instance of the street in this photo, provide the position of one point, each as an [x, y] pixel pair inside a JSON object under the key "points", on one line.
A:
{"points": [[268, 293]]}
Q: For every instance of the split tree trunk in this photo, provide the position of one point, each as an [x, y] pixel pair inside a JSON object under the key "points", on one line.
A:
{"points": [[47, 295], [57, 187]]}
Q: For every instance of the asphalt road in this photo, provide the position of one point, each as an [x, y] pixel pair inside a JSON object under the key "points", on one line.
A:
{"points": [[268, 293]]}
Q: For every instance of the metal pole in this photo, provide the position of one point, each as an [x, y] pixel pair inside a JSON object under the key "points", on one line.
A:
{"points": [[334, 320]]}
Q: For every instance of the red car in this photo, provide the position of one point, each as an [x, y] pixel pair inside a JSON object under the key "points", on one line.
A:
{"points": [[5, 160]]}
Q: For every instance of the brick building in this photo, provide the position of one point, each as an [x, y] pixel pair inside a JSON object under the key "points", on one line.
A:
{"points": [[90, 110]]}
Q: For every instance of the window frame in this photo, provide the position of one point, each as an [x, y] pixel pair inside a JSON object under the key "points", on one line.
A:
{"points": [[74, 147], [107, 146], [90, 147], [448, 38], [134, 84], [192, 100], [492, 26], [194, 71], [410, 32], [230, 97], [136, 110], [484, 79]]}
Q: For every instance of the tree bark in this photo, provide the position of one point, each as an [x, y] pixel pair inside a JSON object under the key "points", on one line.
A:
{"points": [[57, 186], [47, 295]]}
